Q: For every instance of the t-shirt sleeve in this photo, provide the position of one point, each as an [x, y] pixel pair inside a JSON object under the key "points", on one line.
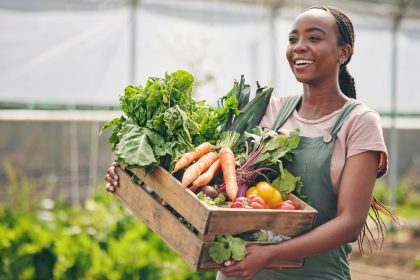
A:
{"points": [[366, 135]]}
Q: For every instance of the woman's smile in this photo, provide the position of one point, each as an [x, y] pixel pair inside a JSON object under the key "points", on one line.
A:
{"points": [[302, 64]]}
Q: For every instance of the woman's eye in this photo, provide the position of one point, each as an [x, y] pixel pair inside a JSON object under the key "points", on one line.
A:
{"points": [[314, 38], [292, 39]]}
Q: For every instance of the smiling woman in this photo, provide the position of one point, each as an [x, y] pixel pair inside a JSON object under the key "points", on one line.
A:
{"points": [[340, 155], [341, 152]]}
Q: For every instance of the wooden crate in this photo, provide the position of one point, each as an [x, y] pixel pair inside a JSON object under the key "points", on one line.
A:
{"points": [[207, 220]]}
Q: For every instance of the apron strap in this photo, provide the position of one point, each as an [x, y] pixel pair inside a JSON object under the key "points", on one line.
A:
{"points": [[289, 104], [344, 114]]}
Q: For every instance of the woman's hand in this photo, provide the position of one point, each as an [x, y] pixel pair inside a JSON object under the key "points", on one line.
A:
{"points": [[256, 259], [111, 178]]}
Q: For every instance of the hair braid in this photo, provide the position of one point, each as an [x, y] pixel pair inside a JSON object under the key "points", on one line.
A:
{"points": [[346, 82], [346, 37]]}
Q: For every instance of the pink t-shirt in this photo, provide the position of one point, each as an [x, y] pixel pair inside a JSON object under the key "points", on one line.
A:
{"points": [[361, 132]]}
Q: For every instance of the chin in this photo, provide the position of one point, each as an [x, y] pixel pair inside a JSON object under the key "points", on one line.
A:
{"points": [[303, 80]]}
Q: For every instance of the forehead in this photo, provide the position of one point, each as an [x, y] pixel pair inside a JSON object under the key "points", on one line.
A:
{"points": [[315, 18]]}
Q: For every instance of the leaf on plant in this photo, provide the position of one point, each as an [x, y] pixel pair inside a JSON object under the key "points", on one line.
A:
{"points": [[110, 123], [287, 184], [293, 139], [134, 148], [276, 142], [238, 248], [219, 253]]}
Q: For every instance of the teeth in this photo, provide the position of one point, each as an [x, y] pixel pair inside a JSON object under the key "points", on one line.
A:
{"points": [[303, 61]]}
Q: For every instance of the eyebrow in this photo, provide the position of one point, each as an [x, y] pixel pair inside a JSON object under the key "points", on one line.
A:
{"points": [[310, 29]]}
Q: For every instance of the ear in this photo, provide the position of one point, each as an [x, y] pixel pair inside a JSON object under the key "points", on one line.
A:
{"points": [[346, 51]]}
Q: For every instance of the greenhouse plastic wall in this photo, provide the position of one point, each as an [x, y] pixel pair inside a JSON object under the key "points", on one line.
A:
{"points": [[65, 160]]}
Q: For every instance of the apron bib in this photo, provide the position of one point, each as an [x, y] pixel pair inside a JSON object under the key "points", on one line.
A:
{"points": [[312, 161]]}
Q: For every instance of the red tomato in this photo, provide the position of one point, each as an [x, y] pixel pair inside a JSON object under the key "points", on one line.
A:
{"points": [[254, 202], [256, 205], [239, 202], [291, 202], [286, 206], [257, 199], [240, 199], [236, 204]]}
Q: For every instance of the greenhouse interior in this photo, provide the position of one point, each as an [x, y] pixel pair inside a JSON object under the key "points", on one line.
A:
{"points": [[66, 63]]}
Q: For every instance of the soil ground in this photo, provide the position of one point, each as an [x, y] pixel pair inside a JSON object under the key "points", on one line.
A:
{"points": [[396, 259]]}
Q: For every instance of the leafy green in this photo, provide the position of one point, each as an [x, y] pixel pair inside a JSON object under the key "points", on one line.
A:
{"points": [[257, 235], [286, 182], [270, 146], [219, 253], [226, 247], [241, 113], [265, 153], [220, 200], [238, 248], [162, 121], [134, 147]]}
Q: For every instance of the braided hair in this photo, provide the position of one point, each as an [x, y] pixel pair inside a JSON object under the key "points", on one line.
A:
{"points": [[346, 37], [347, 86]]}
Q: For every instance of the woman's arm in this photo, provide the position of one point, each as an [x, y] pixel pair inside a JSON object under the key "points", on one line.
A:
{"points": [[354, 198]]}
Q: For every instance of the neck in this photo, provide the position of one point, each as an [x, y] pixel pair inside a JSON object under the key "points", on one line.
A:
{"points": [[322, 100]]}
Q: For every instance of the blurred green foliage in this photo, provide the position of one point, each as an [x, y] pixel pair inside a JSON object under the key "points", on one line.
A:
{"points": [[407, 198], [382, 193], [46, 239]]}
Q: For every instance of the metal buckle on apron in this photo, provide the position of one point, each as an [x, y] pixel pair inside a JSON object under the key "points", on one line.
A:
{"points": [[327, 138]]}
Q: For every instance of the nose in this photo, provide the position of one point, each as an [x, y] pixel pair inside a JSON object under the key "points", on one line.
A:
{"points": [[299, 46]]}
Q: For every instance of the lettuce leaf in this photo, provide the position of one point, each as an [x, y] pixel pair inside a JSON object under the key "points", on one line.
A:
{"points": [[219, 253], [226, 247]]}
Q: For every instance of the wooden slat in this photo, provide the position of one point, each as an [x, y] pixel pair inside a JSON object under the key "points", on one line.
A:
{"points": [[234, 221], [184, 242], [301, 204], [207, 264], [182, 200], [286, 222]]}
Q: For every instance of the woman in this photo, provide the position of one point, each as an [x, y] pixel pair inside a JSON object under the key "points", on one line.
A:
{"points": [[341, 152]]}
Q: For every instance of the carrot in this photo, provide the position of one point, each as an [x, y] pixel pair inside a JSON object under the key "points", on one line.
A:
{"points": [[228, 164], [207, 176], [189, 157], [197, 168]]}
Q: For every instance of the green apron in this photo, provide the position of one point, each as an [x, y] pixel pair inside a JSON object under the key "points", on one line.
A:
{"points": [[312, 162]]}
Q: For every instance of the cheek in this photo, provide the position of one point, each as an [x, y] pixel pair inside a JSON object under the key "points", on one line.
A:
{"points": [[289, 53]]}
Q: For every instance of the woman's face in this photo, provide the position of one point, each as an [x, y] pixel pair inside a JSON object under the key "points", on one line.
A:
{"points": [[313, 52]]}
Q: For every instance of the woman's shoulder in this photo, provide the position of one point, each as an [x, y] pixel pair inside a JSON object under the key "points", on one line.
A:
{"points": [[363, 127], [364, 115], [272, 110]]}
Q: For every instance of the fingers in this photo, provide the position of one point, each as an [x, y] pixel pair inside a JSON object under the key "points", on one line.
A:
{"points": [[112, 173], [232, 268], [115, 164], [229, 263], [111, 178], [110, 188]]}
